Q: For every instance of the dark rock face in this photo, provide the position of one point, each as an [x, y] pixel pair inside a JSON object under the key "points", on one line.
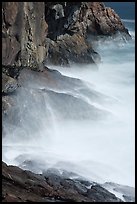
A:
{"points": [[70, 24], [70, 49], [23, 33], [24, 186], [103, 20], [82, 17], [9, 84], [10, 49], [25, 26], [38, 32]]}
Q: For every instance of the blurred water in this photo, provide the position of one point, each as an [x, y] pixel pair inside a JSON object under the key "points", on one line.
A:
{"points": [[101, 150]]}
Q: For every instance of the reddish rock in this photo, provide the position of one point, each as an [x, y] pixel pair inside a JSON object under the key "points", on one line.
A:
{"points": [[10, 49], [83, 18], [10, 12], [24, 31], [68, 49], [24, 186], [25, 26]]}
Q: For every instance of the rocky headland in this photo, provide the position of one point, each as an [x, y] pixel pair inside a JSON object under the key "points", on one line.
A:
{"points": [[35, 35]]}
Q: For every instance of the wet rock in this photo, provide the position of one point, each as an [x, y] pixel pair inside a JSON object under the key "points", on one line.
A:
{"points": [[12, 71], [8, 84], [27, 26], [125, 192], [68, 106], [103, 20], [102, 194], [71, 27], [83, 18], [7, 104], [64, 95], [62, 92], [68, 49], [53, 80], [24, 186]]}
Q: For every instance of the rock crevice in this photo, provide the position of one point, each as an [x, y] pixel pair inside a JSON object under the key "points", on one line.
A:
{"points": [[27, 25]]}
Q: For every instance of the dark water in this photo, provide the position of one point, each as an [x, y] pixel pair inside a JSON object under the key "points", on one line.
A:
{"points": [[126, 10]]}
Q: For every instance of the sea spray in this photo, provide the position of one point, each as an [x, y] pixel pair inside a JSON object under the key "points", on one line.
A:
{"points": [[99, 149]]}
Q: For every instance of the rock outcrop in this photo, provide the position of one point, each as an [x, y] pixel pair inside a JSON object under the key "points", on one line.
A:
{"points": [[9, 84], [25, 26], [24, 186], [24, 30], [82, 17], [70, 24], [34, 33], [72, 49]]}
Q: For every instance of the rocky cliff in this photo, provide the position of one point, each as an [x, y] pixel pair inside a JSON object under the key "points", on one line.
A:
{"points": [[38, 33], [55, 32], [24, 30]]}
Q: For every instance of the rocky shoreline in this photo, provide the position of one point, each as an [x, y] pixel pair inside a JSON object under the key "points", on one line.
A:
{"points": [[24, 186], [57, 186], [36, 34]]}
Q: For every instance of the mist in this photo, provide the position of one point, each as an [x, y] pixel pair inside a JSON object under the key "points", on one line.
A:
{"points": [[83, 123]]}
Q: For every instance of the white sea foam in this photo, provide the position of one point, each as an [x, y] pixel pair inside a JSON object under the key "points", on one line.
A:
{"points": [[128, 20], [98, 150]]}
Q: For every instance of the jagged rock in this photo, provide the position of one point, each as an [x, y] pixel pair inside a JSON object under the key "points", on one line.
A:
{"points": [[24, 30], [103, 20], [125, 192], [10, 12], [10, 49], [12, 71], [70, 49], [24, 186], [102, 194], [25, 26], [7, 104], [59, 89], [9, 84], [83, 18], [72, 24]]}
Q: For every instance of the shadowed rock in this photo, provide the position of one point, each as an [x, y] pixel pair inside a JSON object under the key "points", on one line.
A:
{"points": [[24, 30], [24, 186], [8, 84], [54, 32]]}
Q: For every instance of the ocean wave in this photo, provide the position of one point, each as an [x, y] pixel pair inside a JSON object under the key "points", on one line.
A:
{"points": [[128, 20], [132, 33]]}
